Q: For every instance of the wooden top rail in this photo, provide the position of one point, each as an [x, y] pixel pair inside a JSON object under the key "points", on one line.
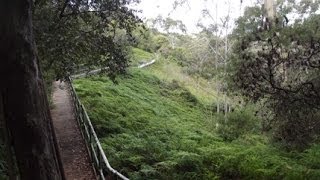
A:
{"points": [[101, 164]]}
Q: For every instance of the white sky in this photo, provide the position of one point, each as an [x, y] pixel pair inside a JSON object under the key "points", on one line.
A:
{"points": [[191, 12]]}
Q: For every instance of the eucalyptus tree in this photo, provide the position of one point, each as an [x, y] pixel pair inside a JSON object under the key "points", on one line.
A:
{"points": [[70, 31], [218, 32], [171, 27], [279, 65]]}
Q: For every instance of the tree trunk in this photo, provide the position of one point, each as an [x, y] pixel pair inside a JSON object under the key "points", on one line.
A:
{"points": [[26, 109], [9, 159], [217, 62], [270, 9]]}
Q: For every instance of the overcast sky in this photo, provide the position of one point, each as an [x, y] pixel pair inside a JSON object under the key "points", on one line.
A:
{"points": [[190, 13]]}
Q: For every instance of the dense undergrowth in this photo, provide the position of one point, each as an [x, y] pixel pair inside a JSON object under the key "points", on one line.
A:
{"points": [[153, 129]]}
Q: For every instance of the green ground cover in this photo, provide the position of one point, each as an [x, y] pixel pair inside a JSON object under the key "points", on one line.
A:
{"points": [[156, 129]]}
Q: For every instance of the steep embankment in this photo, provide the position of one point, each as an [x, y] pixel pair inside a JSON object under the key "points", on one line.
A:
{"points": [[168, 70], [153, 129]]}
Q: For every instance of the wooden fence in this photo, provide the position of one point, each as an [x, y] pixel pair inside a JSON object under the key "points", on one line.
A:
{"points": [[101, 164]]}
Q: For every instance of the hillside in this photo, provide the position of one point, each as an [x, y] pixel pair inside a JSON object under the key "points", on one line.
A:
{"points": [[168, 70], [153, 127]]}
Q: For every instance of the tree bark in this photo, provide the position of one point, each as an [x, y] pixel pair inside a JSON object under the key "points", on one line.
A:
{"points": [[269, 9], [9, 159], [26, 109]]}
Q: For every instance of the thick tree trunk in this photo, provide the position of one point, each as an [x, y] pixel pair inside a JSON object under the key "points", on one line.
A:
{"points": [[26, 109]]}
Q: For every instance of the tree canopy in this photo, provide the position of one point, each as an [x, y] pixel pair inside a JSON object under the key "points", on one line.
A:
{"points": [[280, 66], [71, 35]]}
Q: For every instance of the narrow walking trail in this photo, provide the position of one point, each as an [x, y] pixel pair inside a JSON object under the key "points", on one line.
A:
{"points": [[75, 157]]}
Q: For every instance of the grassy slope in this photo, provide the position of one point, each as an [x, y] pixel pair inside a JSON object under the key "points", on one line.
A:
{"points": [[140, 56], [168, 70], [151, 129]]}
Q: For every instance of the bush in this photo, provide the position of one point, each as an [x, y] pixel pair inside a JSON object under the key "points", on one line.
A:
{"points": [[236, 123]]}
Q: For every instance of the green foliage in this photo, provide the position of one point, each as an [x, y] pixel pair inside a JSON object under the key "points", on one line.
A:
{"points": [[194, 53], [237, 123], [311, 157], [150, 40], [179, 55], [160, 41], [248, 23], [144, 114], [152, 129], [251, 157], [145, 39], [170, 26], [279, 64], [140, 56], [169, 70], [82, 35], [205, 56]]}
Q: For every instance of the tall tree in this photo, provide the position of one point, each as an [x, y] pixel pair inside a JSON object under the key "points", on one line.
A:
{"points": [[219, 29], [279, 65], [24, 100]]}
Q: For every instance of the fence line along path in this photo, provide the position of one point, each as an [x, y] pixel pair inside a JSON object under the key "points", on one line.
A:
{"points": [[75, 157]]}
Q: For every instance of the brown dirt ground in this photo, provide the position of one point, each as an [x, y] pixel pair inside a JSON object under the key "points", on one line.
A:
{"points": [[74, 154]]}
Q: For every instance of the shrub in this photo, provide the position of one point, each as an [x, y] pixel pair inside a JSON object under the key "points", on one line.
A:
{"points": [[236, 123]]}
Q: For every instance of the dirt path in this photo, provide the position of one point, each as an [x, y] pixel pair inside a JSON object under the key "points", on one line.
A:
{"points": [[75, 158]]}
